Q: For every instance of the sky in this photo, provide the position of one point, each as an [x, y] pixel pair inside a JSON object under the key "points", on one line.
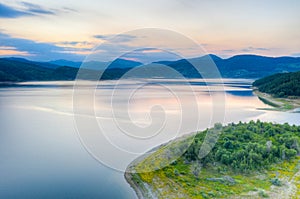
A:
{"points": [[47, 30]]}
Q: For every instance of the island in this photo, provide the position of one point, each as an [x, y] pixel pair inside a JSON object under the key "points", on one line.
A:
{"points": [[281, 91], [243, 160]]}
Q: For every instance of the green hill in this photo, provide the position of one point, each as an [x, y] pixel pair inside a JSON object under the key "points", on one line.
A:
{"points": [[18, 70], [15, 70], [251, 160], [280, 85]]}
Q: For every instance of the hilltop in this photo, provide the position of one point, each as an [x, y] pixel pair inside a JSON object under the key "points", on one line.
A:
{"points": [[18, 70], [281, 90], [248, 160], [280, 85]]}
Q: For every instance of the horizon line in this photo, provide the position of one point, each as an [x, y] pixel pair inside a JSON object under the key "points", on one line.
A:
{"points": [[210, 54]]}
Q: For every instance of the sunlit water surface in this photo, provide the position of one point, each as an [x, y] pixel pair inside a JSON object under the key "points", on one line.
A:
{"points": [[41, 155]]}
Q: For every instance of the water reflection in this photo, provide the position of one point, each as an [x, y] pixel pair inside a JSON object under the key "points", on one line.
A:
{"points": [[41, 154]]}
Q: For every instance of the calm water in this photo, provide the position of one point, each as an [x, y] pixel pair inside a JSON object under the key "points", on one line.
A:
{"points": [[41, 154]]}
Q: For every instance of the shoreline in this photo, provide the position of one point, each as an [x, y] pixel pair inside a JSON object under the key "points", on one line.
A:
{"points": [[129, 178], [277, 104], [162, 186], [144, 192], [141, 191], [140, 188], [136, 183]]}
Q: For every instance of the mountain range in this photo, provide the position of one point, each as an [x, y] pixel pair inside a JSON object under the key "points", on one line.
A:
{"points": [[240, 66]]}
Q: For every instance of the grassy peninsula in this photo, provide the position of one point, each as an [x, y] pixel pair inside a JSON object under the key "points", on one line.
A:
{"points": [[244, 160], [282, 90]]}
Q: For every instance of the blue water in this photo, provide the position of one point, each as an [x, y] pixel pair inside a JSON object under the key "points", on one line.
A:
{"points": [[41, 155]]}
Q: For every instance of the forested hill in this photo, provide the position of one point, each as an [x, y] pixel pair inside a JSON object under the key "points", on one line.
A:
{"points": [[280, 85], [243, 160], [248, 146], [18, 70], [240, 66]]}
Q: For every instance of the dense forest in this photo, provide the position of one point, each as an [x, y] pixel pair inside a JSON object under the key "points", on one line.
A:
{"points": [[280, 85], [247, 146], [243, 160]]}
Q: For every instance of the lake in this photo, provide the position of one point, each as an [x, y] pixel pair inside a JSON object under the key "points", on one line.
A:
{"points": [[51, 147]]}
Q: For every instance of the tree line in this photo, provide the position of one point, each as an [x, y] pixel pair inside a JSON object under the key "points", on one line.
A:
{"points": [[280, 85], [246, 146]]}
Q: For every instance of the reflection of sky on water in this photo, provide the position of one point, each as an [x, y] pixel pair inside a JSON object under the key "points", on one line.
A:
{"points": [[41, 155], [241, 93]]}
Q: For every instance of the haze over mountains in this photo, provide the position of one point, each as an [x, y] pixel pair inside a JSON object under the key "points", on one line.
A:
{"points": [[239, 66]]}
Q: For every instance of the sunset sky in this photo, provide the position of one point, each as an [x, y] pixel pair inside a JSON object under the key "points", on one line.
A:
{"points": [[69, 29]]}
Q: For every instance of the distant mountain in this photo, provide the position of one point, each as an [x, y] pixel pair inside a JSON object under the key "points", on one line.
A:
{"points": [[16, 70], [20, 70], [124, 63], [240, 66], [63, 62], [97, 65], [42, 64], [257, 66]]}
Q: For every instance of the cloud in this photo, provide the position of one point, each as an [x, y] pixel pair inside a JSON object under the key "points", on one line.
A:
{"points": [[26, 9], [39, 50], [111, 51], [149, 55], [295, 54], [67, 9], [11, 51], [10, 12], [74, 43], [250, 49], [107, 51], [120, 38], [69, 50], [228, 51], [34, 8], [7, 48]]}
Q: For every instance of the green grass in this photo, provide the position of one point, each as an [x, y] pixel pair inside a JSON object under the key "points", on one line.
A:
{"points": [[167, 182]]}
